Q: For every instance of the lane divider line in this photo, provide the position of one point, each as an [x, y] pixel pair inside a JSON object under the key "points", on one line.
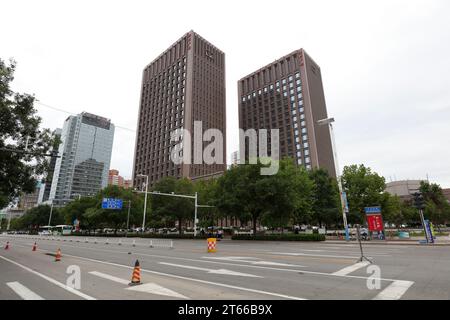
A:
{"points": [[225, 263], [51, 280], [151, 288], [109, 277], [395, 290], [218, 284], [351, 268], [23, 292]]}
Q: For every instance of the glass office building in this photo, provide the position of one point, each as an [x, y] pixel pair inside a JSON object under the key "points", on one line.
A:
{"points": [[85, 150]]}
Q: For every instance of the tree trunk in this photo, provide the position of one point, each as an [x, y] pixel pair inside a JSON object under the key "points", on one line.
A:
{"points": [[254, 225], [179, 225]]}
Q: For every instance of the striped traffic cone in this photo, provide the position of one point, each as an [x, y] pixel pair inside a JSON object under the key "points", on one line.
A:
{"points": [[7, 245], [136, 277], [58, 255], [34, 247]]}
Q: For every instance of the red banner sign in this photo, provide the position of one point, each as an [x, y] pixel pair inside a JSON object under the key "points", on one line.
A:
{"points": [[375, 222]]}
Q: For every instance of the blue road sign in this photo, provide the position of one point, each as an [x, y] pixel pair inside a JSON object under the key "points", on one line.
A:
{"points": [[111, 203], [370, 210]]}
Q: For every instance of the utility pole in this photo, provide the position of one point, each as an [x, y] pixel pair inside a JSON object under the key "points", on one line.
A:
{"points": [[9, 221], [342, 196], [128, 218], [145, 199], [419, 204], [195, 215], [51, 211]]}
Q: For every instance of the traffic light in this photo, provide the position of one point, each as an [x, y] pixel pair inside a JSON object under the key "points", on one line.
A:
{"points": [[419, 202]]}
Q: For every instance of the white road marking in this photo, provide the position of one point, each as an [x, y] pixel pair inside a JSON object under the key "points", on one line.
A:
{"points": [[51, 280], [205, 261], [154, 288], [314, 255], [215, 262], [109, 277], [218, 284], [23, 292], [214, 271], [352, 268], [395, 290], [268, 263]]}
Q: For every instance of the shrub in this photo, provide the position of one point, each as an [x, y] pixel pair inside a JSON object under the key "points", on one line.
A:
{"points": [[146, 235], [281, 237]]}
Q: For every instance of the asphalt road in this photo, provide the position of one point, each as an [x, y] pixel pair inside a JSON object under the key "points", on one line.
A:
{"points": [[238, 270]]}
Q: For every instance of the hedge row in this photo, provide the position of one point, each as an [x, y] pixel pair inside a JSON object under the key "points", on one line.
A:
{"points": [[147, 235], [281, 237]]}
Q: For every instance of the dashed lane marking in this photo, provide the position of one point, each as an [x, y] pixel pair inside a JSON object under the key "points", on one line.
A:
{"points": [[313, 255], [151, 288], [352, 268], [395, 290], [23, 292], [214, 271], [51, 280], [109, 277], [154, 288], [218, 284]]}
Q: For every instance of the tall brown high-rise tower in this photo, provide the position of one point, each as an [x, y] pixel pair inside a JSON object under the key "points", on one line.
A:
{"points": [[186, 83], [288, 95]]}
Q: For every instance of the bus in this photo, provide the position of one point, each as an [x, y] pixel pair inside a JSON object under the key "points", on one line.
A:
{"points": [[62, 229], [45, 230]]}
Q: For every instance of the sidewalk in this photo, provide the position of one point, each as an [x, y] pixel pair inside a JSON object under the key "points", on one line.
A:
{"points": [[440, 241]]}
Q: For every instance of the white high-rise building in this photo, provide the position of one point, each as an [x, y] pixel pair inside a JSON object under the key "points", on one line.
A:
{"points": [[85, 150], [235, 158]]}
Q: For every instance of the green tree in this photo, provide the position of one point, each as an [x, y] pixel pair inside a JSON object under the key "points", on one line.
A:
{"points": [[206, 190], [364, 188], [243, 192], [398, 212], [171, 209], [23, 144], [117, 218], [76, 210], [327, 208], [437, 208], [39, 216]]}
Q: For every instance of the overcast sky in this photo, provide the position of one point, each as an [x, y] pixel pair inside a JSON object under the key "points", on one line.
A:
{"points": [[385, 66]]}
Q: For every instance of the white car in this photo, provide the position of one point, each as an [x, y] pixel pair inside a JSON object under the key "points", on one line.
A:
{"points": [[45, 233]]}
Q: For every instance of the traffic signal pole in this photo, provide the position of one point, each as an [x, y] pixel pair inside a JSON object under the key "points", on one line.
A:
{"points": [[419, 204]]}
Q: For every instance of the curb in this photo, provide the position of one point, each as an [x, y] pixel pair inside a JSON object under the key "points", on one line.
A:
{"points": [[393, 242]]}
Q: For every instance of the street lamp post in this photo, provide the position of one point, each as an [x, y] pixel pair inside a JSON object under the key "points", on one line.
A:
{"points": [[145, 199], [51, 211], [128, 218], [329, 123], [195, 215]]}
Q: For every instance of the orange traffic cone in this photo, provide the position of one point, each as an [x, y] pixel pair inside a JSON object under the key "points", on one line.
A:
{"points": [[34, 247], [58, 255], [136, 277], [7, 245]]}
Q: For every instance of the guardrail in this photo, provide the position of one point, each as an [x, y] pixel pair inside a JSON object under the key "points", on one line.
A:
{"points": [[153, 243]]}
